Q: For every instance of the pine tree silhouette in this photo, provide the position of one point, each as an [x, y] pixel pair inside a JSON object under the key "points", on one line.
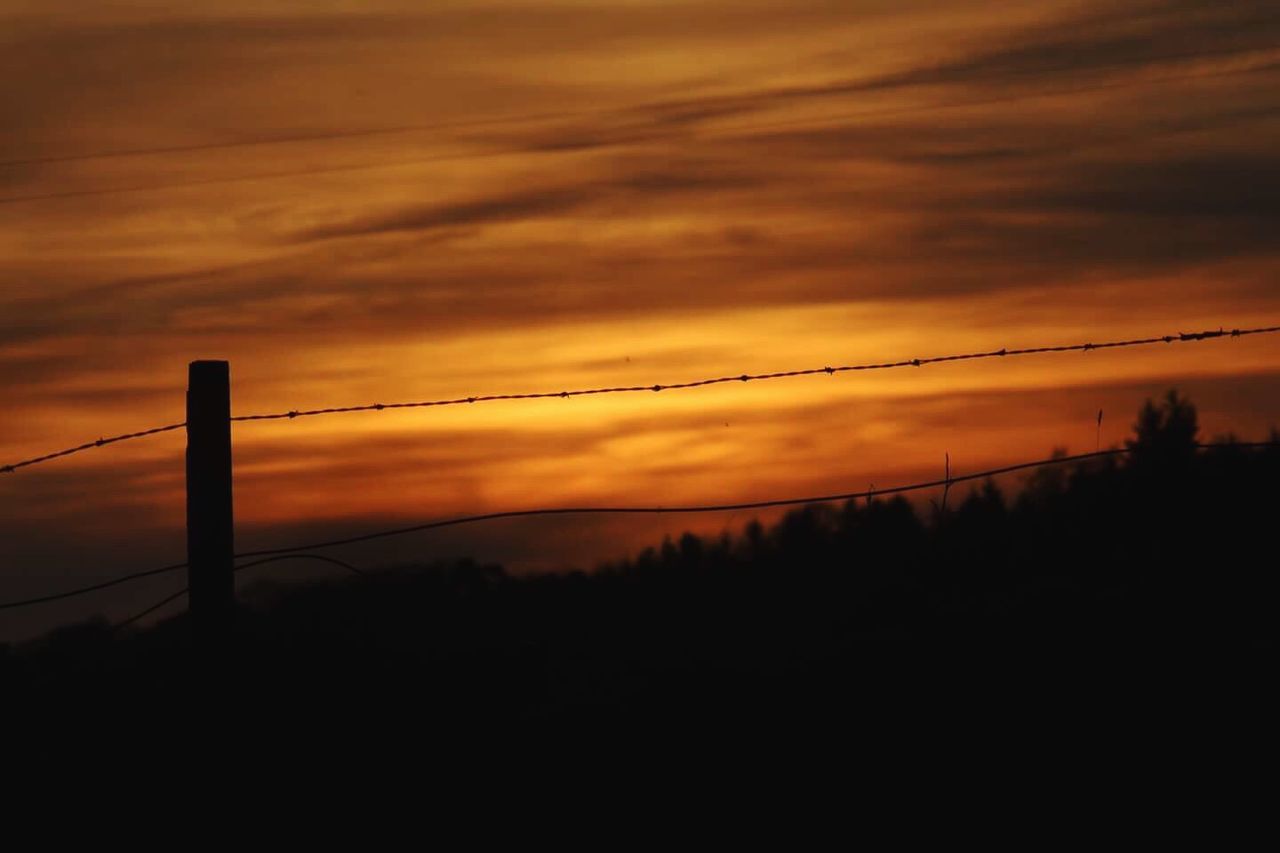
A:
{"points": [[1165, 433]]}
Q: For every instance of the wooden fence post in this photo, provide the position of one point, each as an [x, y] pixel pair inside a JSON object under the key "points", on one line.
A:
{"points": [[209, 506]]}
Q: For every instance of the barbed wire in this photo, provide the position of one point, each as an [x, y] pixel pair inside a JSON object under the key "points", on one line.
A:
{"points": [[89, 445], [272, 554], [1181, 337]]}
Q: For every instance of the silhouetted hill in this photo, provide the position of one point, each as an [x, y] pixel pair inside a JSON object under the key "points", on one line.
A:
{"points": [[1141, 589]]}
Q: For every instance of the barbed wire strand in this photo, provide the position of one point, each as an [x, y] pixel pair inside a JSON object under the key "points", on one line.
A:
{"points": [[751, 377], [1182, 337], [89, 445], [175, 596], [868, 493]]}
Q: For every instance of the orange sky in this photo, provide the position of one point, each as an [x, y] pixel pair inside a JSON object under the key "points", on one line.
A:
{"points": [[577, 193]]}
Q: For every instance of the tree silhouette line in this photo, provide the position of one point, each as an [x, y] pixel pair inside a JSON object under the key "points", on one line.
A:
{"points": [[1140, 581]]}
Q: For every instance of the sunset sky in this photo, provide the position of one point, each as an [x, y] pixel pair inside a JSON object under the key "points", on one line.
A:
{"points": [[377, 201]]}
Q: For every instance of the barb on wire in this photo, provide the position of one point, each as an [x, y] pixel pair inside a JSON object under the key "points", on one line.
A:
{"points": [[1181, 337]]}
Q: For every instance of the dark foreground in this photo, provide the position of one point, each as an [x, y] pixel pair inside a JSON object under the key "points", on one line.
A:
{"points": [[1128, 602]]}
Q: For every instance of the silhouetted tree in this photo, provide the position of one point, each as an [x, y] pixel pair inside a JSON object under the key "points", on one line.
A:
{"points": [[1167, 432], [1102, 576]]}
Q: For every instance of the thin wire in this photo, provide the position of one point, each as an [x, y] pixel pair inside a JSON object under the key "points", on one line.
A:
{"points": [[658, 510], [153, 608], [949, 481], [58, 596], [342, 564], [324, 170], [186, 589], [1182, 337], [285, 553]]}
